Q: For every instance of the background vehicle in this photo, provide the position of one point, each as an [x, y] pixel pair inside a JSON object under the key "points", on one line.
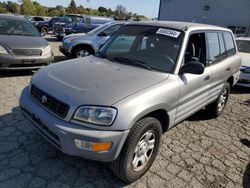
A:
{"points": [[148, 77], [21, 45], [47, 26], [243, 44], [78, 24], [81, 45]]}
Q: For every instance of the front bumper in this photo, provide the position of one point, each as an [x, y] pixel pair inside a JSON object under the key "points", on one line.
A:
{"points": [[66, 51], [62, 134], [244, 80], [10, 62]]}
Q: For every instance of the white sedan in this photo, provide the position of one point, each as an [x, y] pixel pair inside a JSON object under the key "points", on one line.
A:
{"points": [[243, 44]]}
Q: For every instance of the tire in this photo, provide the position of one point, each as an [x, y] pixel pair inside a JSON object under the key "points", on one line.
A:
{"points": [[59, 38], [44, 30], [82, 51], [216, 108], [122, 167]]}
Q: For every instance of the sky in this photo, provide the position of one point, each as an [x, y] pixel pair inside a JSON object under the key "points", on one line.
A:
{"points": [[148, 8]]}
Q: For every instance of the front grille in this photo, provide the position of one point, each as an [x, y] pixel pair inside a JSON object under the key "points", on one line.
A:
{"points": [[58, 28], [27, 52], [52, 104]]}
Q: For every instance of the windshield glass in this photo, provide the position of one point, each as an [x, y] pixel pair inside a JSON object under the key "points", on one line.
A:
{"points": [[96, 30], [17, 27], [153, 47], [243, 46]]}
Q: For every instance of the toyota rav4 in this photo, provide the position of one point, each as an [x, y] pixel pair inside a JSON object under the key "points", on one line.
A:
{"points": [[115, 106]]}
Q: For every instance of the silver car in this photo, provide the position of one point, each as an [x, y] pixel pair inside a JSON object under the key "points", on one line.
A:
{"points": [[21, 45], [244, 51], [81, 45], [149, 76]]}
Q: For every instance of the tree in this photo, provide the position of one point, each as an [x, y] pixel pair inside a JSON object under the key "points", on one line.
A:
{"points": [[57, 11], [2, 8], [12, 7], [72, 7], [40, 10], [28, 8], [121, 12]]}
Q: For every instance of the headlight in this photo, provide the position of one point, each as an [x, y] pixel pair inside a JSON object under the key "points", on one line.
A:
{"points": [[47, 50], [96, 115], [3, 51]]}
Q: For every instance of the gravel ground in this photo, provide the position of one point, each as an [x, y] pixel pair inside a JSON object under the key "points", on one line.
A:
{"points": [[196, 153]]}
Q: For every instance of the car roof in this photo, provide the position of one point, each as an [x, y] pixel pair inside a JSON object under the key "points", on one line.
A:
{"points": [[243, 38], [14, 17], [179, 25]]}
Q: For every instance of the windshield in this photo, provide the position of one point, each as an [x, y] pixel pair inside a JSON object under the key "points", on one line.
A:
{"points": [[17, 27], [96, 30], [152, 47], [243, 46]]}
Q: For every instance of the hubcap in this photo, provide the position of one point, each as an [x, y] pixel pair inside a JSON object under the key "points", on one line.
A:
{"points": [[143, 151], [82, 53], [222, 101]]}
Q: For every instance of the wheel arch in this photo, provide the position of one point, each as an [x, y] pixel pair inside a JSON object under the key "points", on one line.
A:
{"points": [[88, 46]]}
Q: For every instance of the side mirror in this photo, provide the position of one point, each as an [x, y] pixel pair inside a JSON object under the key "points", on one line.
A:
{"points": [[102, 34], [192, 68]]}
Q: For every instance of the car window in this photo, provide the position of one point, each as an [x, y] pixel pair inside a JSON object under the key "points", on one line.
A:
{"points": [[223, 51], [243, 46], [154, 47], [17, 27], [213, 47], [229, 43], [109, 31]]}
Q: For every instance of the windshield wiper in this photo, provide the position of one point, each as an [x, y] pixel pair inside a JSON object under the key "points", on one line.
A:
{"points": [[104, 55], [132, 61]]}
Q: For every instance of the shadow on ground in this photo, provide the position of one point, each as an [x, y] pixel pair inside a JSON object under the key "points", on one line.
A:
{"points": [[28, 160], [240, 90], [16, 73], [246, 177]]}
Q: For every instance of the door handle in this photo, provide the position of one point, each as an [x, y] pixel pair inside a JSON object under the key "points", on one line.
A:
{"points": [[207, 78], [228, 69]]}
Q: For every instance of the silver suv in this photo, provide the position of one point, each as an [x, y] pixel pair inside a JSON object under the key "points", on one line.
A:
{"points": [[149, 76]]}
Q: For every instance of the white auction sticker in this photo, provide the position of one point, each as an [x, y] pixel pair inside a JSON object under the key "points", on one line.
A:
{"points": [[168, 32]]}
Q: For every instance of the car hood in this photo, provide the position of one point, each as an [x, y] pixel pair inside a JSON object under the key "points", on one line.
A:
{"points": [[94, 81], [22, 42], [245, 59], [75, 35]]}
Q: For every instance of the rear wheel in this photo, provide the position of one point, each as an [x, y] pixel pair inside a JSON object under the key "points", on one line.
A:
{"points": [[139, 150], [216, 108]]}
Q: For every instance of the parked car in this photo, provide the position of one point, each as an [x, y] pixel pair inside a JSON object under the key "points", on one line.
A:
{"points": [[21, 45], [81, 45], [148, 77], [47, 26], [78, 24], [244, 49]]}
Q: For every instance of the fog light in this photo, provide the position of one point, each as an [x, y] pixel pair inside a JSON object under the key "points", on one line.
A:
{"points": [[93, 146]]}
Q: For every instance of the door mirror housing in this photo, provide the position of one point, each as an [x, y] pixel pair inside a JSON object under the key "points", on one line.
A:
{"points": [[193, 67]]}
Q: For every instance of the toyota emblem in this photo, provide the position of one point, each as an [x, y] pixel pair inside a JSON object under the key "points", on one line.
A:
{"points": [[44, 99]]}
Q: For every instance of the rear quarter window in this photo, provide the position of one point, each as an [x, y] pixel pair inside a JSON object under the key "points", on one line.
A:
{"points": [[229, 42]]}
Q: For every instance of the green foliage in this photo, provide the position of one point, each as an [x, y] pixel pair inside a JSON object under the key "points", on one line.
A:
{"points": [[28, 8], [31, 8]]}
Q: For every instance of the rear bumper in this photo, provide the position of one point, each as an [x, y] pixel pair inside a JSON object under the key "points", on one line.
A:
{"points": [[10, 62], [62, 134]]}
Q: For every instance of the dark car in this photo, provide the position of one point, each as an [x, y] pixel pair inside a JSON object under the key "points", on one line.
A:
{"points": [[21, 45], [47, 26], [78, 24]]}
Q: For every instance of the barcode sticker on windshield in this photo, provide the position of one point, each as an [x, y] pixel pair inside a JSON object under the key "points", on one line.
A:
{"points": [[168, 32]]}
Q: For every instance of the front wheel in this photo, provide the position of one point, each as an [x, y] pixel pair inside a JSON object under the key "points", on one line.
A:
{"points": [[139, 150], [216, 108], [82, 52]]}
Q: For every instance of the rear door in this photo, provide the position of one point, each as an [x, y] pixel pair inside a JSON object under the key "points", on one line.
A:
{"points": [[221, 51]]}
